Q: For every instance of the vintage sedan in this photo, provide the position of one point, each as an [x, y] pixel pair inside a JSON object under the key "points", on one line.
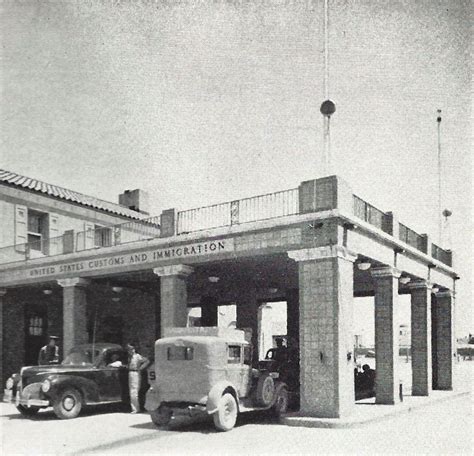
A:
{"points": [[91, 374]]}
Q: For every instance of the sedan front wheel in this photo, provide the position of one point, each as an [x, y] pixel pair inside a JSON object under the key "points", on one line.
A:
{"points": [[68, 404]]}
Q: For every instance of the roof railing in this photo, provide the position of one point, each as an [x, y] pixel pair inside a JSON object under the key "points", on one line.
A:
{"points": [[255, 208], [369, 213], [412, 238]]}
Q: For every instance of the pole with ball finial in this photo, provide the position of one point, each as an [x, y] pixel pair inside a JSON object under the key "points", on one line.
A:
{"points": [[328, 108]]}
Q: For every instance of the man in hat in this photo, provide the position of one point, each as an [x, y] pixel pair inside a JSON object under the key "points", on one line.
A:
{"points": [[49, 354]]}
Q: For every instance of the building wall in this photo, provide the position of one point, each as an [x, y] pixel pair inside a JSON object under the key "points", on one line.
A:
{"points": [[16, 303], [67, 216], [7, 217], [133, 318], [136, 309], [13, 336]]}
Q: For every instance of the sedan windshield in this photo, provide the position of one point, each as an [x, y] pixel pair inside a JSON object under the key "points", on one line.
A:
{"points": [[81, 358]]}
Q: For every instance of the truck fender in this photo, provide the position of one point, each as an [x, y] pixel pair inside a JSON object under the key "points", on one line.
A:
{"points": [[152, 401], [216, 393]]}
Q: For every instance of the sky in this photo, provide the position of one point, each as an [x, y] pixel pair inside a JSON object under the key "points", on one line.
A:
{"points": [[200, 102]]}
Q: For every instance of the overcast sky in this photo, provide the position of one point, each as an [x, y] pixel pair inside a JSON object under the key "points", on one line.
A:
{"points": [[204, 102]]}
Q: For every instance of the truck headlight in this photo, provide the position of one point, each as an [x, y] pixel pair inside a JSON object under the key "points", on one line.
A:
{"points": [[45, 386], [9, 384]]}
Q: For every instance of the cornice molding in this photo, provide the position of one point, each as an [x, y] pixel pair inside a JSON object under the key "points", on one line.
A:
{"points": [[182, 270], [385, 271], [419, 285], [73, 282], [444, 294], [322, 253]]}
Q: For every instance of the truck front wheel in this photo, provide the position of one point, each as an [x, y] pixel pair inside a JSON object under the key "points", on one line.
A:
{"points": [[161, 416], [265, 390], [226, 415], [280, 406]]}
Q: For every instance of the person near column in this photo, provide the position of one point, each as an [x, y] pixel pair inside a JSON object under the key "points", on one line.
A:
{"points": [[49, 354], [136, 364]]}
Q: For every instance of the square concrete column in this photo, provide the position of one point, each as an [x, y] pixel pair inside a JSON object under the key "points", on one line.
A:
{"points": [[443, 346], [74, 312], [387, 329], [292, 314], [247, 312], [421, 337], [209, 315], [173, 295], [326, 291]]}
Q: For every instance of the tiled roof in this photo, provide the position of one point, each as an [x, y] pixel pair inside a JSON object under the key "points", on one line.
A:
{"points": [[34, 185]]}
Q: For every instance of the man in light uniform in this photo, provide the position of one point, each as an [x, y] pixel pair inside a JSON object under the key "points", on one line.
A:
{"points": [[136, 364]]}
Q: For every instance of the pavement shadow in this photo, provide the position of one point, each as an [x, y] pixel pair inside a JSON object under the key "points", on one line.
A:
{"points": [[48, 414], [204, 424]]}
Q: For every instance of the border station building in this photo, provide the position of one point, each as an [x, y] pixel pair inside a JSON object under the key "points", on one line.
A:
{"points": [[86, 269]]}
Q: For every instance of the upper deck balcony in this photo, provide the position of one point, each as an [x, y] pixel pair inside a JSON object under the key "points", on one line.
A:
{"points": [[311, 197]]}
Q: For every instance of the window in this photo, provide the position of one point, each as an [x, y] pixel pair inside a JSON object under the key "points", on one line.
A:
{"points": [[37, 229], [35, 326], [233, 354], [116, 355], [102, 236], [180, 353], [81, 357]]}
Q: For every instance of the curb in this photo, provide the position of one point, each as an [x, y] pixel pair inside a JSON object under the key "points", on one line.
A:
{"points": [[297, 420]]}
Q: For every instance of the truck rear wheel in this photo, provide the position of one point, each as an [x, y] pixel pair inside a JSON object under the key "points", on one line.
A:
{"points": [[226, 415], [161, 416], [265, 390]]}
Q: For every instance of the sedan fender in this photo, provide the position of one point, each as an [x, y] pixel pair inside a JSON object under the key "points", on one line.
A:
{"points": [[88, 388], [216, 393]]}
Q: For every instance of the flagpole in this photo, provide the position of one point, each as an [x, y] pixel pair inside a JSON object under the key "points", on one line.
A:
{"points": [[438, 120], [327, 107]]}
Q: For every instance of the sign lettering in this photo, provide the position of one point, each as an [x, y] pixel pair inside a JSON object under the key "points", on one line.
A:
{"points": [[152, 256]]}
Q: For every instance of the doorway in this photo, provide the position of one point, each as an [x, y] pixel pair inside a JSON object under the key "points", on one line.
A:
{"points": [[272, 324], [36, 327]]}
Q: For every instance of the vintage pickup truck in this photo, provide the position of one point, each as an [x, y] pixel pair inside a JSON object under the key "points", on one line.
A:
{"points": [[209, 371]]}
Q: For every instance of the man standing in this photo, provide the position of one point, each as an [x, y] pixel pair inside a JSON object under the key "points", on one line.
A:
{"points": [[281, 352], [136, 364], [49, 354]]}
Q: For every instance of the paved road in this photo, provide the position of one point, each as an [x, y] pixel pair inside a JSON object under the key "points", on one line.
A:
{"points": [[443, 428]]}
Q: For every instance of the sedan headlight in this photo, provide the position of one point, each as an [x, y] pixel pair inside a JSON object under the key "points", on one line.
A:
{"points": [[9, 384], [45, 386]]}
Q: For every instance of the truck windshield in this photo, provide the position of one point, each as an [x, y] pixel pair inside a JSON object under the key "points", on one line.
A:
{"points": [[80, 358]]}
